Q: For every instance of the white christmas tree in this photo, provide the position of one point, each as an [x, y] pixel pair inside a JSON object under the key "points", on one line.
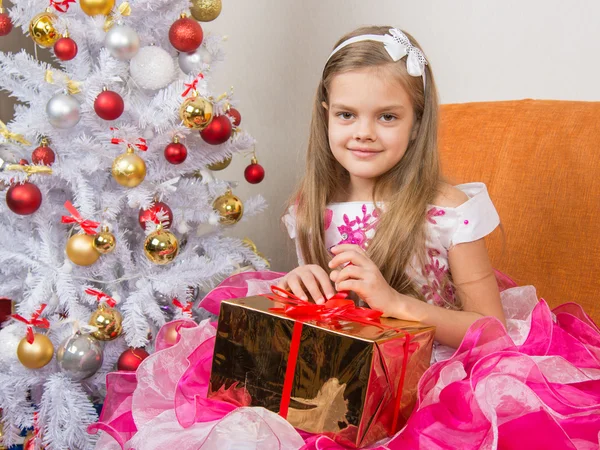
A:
{"points": [[114, 204]]}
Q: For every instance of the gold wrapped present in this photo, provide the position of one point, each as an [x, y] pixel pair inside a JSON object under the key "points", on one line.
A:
{"points": [[333, 369]]}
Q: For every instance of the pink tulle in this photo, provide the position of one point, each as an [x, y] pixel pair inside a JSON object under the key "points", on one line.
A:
{"points": [[534, 385]]}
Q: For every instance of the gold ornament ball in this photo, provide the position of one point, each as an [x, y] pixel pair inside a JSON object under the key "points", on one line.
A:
{"points": [[205, 10], [196, 112], [171, 334], [104, 242], [109, 323], [42, 31], [161, 247], [220, 165], [36, 355], [229, 207], [81, 251], [96, 7], [129, 169]]}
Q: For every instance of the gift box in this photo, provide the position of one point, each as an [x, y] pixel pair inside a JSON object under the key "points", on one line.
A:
{"points": [[335, 369]]}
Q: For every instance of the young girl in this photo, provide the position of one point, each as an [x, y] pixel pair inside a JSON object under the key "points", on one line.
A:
{"points": [[373, 217]]}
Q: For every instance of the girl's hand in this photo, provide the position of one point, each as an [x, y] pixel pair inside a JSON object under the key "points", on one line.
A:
{"points": [[362, 276], [311, 277]]}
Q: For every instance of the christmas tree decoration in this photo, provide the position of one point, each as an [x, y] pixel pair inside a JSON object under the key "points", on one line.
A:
{"points": [[104, 242], [129, 169], [35, 350], [108, 321], [131, 359], [205, 10], [5, 22], [159, 213], [43, 154], [24, 198], [152, 68], [250, 243], [80, 356], [193, 62], [171, 332], [42, 31], [161, 246], [254, 173], [109, 105], [63, 111], [10, 136], [185, 34], [31, 442], [221, 164], [229, 207], [218, 131], [96, 7], [65, 48], [196, 112], [235, 115], [80, 250], [122, 42], [175, 152]]}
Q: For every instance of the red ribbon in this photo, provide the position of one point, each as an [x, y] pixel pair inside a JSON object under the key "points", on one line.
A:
{"points": [[335, 309], [35, 321], [141, 145], [187, 309], [101, 296], [192, 86], [87, 225], [62, 5]]}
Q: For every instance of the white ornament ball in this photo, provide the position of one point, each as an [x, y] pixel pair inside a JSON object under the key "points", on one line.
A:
{"points": [[63, 111], [122, 42], [152, 68], [192, 63]]}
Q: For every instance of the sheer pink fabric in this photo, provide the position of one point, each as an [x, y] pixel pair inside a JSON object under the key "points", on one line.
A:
{"points": [[535, 385]]}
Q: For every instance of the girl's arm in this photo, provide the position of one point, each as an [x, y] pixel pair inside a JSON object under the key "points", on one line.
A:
{"points": [[476, 288]]}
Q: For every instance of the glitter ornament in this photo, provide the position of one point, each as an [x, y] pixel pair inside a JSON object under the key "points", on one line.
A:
{"points": [[152, 68]]}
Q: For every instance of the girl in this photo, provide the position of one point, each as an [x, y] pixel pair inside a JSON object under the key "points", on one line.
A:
{"points": [[372, 216]]}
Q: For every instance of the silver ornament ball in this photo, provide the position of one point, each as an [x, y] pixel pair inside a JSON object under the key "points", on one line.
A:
{"points": [[152, 68], [122, 42], [63, 111], [80, 356], [191, 63]]}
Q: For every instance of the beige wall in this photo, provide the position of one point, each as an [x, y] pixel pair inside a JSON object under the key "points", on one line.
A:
{"points": [[479, 50]]}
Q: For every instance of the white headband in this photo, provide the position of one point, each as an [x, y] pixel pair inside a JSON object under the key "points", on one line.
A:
{"points": [[398, 46]]}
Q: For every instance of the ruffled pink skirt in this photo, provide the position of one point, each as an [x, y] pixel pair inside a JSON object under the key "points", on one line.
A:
{"points": [[534, 386]]}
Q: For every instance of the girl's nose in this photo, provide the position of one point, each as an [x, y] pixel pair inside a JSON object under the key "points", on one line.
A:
{"points": [[365, 131]]}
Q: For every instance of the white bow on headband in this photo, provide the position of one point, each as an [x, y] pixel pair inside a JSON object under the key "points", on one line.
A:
{"points": [[398, 46]]}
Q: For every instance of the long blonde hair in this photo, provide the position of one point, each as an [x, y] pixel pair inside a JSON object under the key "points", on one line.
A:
{"points": [[408, 188]]}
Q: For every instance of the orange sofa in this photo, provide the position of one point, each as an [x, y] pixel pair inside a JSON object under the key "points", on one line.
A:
{"points": [[541, 162]]}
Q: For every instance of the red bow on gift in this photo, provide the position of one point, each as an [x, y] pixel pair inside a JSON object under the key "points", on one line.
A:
{"points": [[101, 296], [35, 321], [336, 308], [186, 310], [87, 225]]}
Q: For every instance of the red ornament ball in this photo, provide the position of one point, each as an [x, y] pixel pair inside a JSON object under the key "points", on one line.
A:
{"points": [[43, 155], [131, 359], [175, 153], [186, 34], [236, 116], [65, 49], [254, 173], [109, 105], [218, 130], [24, 199], [149, 215], [5, 24]]}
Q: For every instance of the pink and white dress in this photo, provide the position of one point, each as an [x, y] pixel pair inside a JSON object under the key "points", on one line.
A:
{"points": [[534, 385]]}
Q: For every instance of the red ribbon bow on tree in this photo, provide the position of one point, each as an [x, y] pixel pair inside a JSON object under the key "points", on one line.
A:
{"points": [[141, 145], [192, 86], [35, 321], [88, 226], [101, 296], [185, 310], [61, 5]]}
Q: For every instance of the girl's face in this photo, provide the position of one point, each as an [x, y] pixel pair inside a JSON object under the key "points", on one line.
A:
{"points": [[370, 123]]}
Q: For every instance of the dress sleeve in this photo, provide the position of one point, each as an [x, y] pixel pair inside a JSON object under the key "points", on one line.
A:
{"points": [[476, 218], [289, 221]]}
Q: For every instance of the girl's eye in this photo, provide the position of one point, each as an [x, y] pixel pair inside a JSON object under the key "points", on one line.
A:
{"points": [[345, 115], [388, 117]]}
